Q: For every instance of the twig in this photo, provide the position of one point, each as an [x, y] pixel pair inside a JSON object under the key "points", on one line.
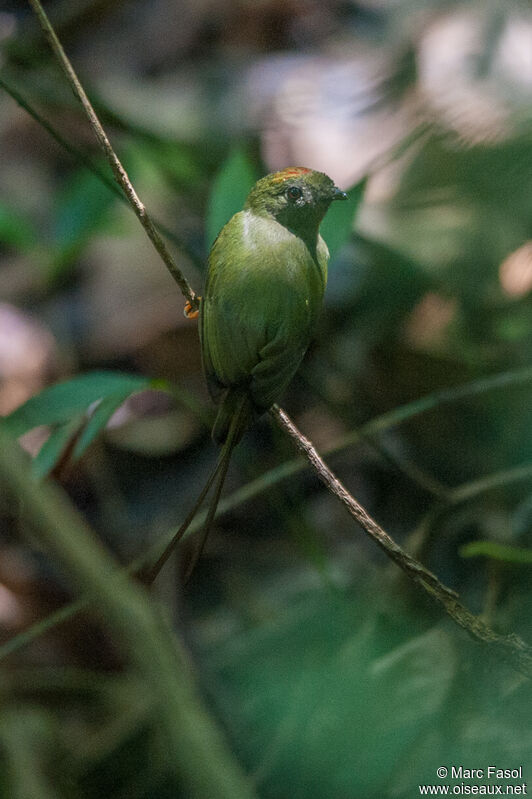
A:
{"points": [[118, 170], [242, 495], [408, 468], [434, 400], [511, 646], [410, 565], [74, 151], [466, 492], [85, 160]]}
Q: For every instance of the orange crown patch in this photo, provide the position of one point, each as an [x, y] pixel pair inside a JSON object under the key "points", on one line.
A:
{"points": [[290, 172]]}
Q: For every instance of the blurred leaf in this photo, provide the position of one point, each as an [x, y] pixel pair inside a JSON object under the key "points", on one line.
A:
{"points": [[377, 277], [29, 738], [495, 551], [58, 404], [54, 447], [522, 515], [15, 229], [230, 189], [98, 419], [81, 210], [157, 435], [187, 165], [339, 220], [324, 703]]}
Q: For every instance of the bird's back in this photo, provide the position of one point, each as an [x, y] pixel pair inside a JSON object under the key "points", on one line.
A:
{"points": [[262, 298]]}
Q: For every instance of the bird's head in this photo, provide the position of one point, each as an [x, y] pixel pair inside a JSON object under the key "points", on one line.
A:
{"points": [[297, 197]]}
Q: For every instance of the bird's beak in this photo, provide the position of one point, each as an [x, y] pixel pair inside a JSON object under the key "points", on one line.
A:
{"points": [[338, 194]]}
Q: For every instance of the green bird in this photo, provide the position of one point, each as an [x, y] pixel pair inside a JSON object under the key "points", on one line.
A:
{"points": [[265, 284]]}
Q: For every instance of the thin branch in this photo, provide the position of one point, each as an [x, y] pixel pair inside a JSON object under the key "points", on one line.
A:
{"points": [[41, 627], [410, 565], [491, 482], [434, 400], [74, 151], [85, 160], [244, 494], [512, 647], [409, 469], [410, 410], [467, 492], [118, 170], [284, 471]]}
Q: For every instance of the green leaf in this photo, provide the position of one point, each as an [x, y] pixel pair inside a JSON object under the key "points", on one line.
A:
{"points": [[495, 551], [16, 230], [187, 165], [338, 223], [98, 420], [82, 209], [229, 192], [59, 403], [52, 449], [323, 701]]}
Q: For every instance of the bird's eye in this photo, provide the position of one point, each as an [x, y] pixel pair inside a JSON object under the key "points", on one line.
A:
{"points": [[294, 192]]}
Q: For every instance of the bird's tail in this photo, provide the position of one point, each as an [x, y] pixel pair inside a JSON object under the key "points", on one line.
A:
{"points": [[237, 425], [233, 399]]}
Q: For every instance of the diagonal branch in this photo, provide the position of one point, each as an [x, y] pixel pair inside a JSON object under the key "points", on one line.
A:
{"points": [[511, 646], [119, 172], [86, 161], [520, 653]]}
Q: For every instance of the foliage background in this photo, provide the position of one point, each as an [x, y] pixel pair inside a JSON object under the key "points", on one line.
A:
{"points": [[331, 675]]}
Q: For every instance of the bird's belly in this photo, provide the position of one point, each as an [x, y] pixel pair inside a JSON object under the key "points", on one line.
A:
{"points": [[264, 339]]}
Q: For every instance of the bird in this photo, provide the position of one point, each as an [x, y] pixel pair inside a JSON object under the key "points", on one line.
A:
{"points": [[267, 273]]}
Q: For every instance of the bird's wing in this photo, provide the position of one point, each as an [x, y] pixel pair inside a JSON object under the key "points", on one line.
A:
{"points": [[260, 304]]}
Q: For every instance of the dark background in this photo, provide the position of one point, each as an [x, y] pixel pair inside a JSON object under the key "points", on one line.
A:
{"points": [[332, 674]]}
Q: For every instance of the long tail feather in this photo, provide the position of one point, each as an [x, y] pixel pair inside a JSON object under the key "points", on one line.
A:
{"points": [[196, 555], [148, 574], [232, 439]]}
